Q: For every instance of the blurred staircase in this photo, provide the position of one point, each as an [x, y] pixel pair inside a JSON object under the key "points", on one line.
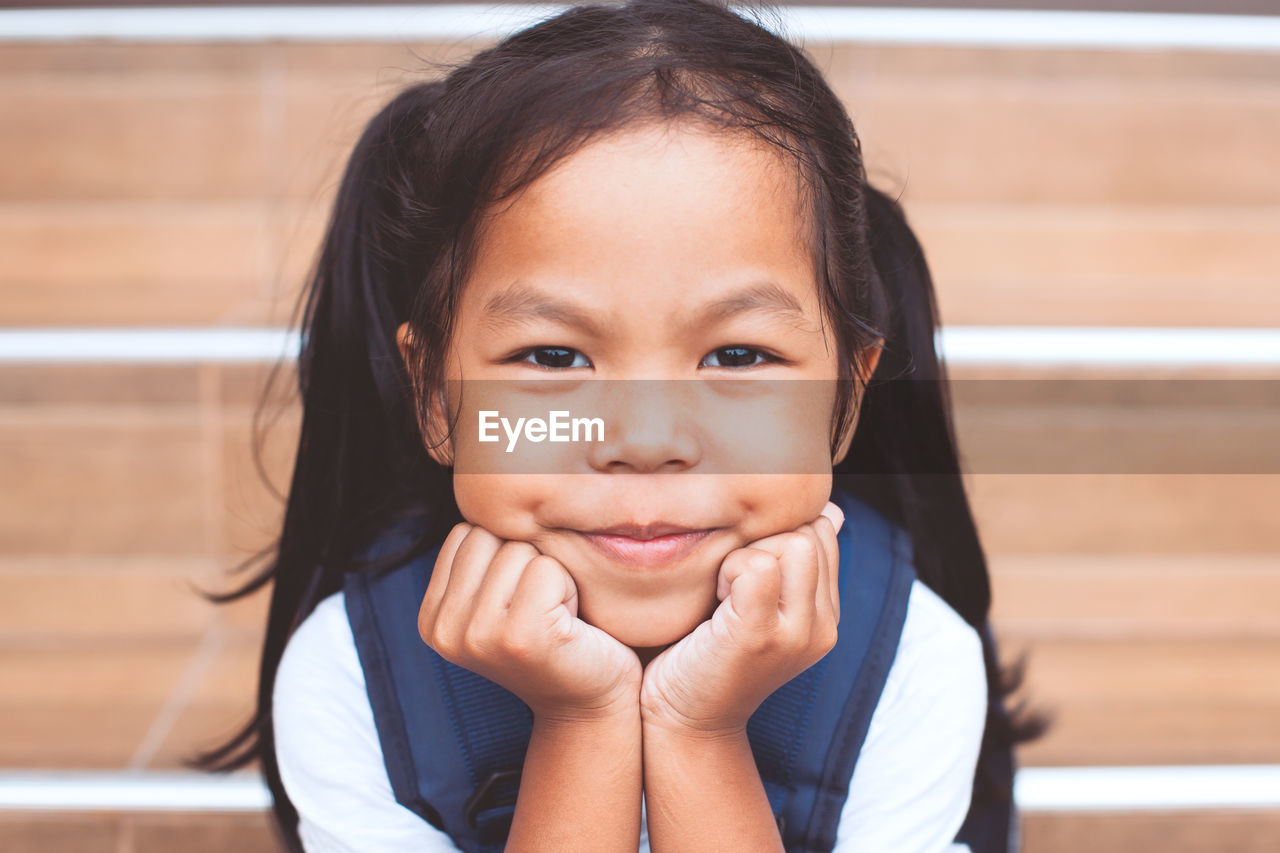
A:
{"points": [[172, 184]]}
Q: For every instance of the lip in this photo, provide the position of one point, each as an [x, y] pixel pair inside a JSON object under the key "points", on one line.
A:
{"points": [[645, 532], [654, 549]]}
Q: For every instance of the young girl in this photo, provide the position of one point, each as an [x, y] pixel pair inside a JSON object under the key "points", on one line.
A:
{"points": [[464, 653]]}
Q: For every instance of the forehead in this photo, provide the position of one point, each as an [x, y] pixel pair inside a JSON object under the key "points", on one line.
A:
{"points": [[663, 212]]}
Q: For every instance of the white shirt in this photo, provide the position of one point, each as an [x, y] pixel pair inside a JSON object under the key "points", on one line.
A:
{"points": [[910, 788]]}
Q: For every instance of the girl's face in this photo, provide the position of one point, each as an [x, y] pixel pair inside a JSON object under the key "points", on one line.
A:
{"points": [[660, 253]]}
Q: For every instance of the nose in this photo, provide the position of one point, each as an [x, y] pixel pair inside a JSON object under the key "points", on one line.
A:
{"points": [[650, 427]]}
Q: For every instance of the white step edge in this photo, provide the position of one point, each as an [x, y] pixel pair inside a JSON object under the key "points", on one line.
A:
{"points": [[1036, 789], [992, 28], [959, 345]]}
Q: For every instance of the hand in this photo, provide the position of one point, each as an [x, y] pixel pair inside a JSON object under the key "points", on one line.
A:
{"points": [[503, 610], [779, 608]]}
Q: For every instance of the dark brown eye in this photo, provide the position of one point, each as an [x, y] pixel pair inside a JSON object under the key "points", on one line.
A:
{"points": [[735, 357], [555, 357]]}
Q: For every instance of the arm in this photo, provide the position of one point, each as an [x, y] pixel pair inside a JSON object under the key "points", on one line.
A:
{"points": [[509, 613], [704, 793], [778, 611], [580, 788]]}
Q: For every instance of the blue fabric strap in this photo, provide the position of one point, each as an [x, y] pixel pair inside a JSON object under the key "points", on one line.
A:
{"points": [[776, 731], [493, 727], [851, 731]]}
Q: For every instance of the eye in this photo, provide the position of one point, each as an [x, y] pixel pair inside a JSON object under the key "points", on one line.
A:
{"points": [[551, 358], [738, 357]]}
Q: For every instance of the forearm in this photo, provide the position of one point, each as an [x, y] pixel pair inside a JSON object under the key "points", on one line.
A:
{"points": [[580, 787], [705, 793]]}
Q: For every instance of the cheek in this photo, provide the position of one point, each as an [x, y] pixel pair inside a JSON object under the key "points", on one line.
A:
{"points": [[784, 433], [503, 504], [778, 503]]}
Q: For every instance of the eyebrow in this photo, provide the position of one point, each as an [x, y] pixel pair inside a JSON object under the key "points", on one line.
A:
{"points": [[767, 297], [521, 302]]}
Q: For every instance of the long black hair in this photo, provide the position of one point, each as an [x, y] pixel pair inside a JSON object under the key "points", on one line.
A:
{"points": [[401, 239]]}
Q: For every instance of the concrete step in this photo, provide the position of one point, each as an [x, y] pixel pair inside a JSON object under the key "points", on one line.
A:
{"points": [[188, 184], [1193, 832]]}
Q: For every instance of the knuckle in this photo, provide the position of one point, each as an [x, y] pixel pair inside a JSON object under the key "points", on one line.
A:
{"points": [[802, 546], [518, 645], [543, 566], [824, 636], [764, 570], [543, 561], [474, 640], [759, 643], [763, 561], [732, 562], [796, 638], [772, 636], [443, 644], [515, 548]]}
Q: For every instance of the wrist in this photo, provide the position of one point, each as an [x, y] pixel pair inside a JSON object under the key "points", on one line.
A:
{"points": [[662, 728], [664, 721], [615, 714]]}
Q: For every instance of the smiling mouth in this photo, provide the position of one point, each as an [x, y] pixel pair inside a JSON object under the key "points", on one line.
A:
{"points": [[648, 551]]}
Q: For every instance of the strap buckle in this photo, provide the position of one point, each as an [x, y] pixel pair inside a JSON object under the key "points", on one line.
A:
{"points": [[488, 789]]}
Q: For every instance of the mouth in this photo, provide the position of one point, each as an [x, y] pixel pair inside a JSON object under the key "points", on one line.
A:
{"points": [[645, 545]]}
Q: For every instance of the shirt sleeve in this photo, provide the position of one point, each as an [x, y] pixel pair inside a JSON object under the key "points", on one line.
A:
{"points": [[913, 780], [328, 751]]}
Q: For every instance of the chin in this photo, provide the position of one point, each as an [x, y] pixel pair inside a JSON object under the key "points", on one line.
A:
{"points": [[658, 623]]}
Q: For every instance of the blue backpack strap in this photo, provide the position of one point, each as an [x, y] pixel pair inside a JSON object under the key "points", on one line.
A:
{"points": [[454, 741], [876, 573], [446, 733]]}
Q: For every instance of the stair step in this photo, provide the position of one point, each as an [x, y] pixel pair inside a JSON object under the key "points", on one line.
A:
{"points": [[1187, 832], [1195, 832], [1143, 210], [58, 832]]}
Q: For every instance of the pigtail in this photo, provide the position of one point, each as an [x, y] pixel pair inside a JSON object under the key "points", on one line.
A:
{"points": [[360, 460], [904, 460]]}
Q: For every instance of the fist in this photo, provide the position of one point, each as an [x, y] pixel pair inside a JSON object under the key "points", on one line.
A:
{"points": [[778, 613], [509, 613]]}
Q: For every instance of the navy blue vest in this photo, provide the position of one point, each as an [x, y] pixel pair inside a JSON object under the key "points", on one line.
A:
{"points": [[454, 741]]}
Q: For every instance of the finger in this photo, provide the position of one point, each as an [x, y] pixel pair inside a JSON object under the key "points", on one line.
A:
{"points": [[827, 530], [470, 564], [544, 587], [802, 563], [825, 565], [834, 514], [499, 584], [823, 609], [755, 592], [798, 552], [440, 577], [734, 564]]}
